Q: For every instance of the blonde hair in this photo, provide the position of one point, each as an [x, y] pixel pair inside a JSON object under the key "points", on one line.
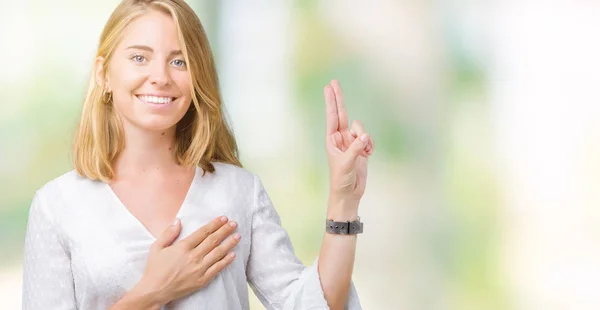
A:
{"points": [[202, 135]]}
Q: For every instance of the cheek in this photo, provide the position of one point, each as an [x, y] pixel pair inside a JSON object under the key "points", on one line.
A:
{"points": [[124, 83], [128, 80], [182, 82]]}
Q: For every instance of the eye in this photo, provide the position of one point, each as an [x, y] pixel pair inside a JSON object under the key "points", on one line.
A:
{"points": [[179, 63], [138, 58]]}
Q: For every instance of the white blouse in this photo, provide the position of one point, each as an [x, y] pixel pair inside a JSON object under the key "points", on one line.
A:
{"points": [[85, 250]]}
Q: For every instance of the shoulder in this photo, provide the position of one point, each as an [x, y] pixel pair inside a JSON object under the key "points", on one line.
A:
{"points": [[233, 181], [70, 181], [54, 194], [229, 172], [240, 180]]}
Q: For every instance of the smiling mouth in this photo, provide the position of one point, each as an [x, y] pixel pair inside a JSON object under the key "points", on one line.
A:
{"points": [[156, 99]]}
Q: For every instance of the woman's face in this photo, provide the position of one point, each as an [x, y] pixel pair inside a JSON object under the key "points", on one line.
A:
{"points": [[148, 75]]}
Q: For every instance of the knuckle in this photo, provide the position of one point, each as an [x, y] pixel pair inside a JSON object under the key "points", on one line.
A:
{"points": [[193, 259], [202, 281], [213, 241], [216, 224], [218, 266], [183, 244], [198, 270], [203, 231], [181, 248], [207, 260], [219, 252]]}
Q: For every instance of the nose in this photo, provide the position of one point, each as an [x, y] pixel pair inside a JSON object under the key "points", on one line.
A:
{"points": [[159, 75]]}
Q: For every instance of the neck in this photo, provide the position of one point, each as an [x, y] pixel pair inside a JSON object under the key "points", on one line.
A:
{"points": [[146, 152]]}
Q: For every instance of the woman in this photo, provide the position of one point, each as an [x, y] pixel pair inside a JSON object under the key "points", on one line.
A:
{"points": [[158, 212]]}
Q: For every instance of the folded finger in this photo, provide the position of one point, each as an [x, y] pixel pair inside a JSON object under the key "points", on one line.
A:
{"points": [[213, 241], [358, 130]]}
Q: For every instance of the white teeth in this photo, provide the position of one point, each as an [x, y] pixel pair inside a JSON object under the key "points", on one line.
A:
{"points": [[156, 100]]}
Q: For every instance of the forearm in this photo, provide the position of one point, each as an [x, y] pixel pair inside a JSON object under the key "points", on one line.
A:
{"points": [[336, 259], [138, 298]]}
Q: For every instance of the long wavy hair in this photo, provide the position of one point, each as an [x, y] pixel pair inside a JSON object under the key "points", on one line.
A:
{"points": [[202, 135]]}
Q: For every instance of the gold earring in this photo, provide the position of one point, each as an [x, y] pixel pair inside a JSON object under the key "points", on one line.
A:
{"points": [[106, 96]]}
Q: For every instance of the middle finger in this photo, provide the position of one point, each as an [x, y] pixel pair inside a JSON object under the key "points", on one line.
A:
{"points": [[341, 108], [214, 239], [219, 252]]}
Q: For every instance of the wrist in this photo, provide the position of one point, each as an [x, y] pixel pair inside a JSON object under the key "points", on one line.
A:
{"points": [[342, 209], [146, 297]]}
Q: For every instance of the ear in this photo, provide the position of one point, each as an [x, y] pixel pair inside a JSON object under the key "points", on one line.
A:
{"points": [[99, 74]]}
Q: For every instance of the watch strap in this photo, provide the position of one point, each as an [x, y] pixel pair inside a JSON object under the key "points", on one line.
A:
{"points": [[344, 228]]}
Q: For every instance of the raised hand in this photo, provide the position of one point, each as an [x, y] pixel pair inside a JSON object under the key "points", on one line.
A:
{"points": [[347, 148]]}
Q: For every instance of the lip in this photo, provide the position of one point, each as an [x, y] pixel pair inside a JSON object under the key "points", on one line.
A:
{"points": [[156, 105], [157, 95]]}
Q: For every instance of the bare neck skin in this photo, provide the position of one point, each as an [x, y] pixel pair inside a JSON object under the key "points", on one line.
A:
{"points": [[147, 155]]}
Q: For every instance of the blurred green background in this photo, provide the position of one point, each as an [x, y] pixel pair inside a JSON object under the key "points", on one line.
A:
{"points": [[480, 181], [429, 203]]}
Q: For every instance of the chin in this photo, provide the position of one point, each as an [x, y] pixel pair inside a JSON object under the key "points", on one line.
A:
{"points": [[156, 124]]}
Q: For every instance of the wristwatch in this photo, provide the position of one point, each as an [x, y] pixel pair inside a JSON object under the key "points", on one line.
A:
{"points": [[344, 228]]}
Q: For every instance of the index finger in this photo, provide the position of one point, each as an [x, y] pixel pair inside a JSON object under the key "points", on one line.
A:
{"points": [[331, 110], [341, 108], [195, 238]]}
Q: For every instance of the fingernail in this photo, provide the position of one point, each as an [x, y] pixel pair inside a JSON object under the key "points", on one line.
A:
{"points": [[364, 138], [176, 221], [237, 236], [232, 224], [224, 219]]}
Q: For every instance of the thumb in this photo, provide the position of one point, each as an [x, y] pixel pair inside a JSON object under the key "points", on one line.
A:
{"points": [[357, 147], [168, 236]]}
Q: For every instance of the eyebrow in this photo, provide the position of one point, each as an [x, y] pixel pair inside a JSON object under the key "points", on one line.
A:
{"points": [[149, 49]]}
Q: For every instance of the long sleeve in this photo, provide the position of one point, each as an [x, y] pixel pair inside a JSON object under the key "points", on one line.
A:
{"points": [[47, 277], [275, 273]]}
